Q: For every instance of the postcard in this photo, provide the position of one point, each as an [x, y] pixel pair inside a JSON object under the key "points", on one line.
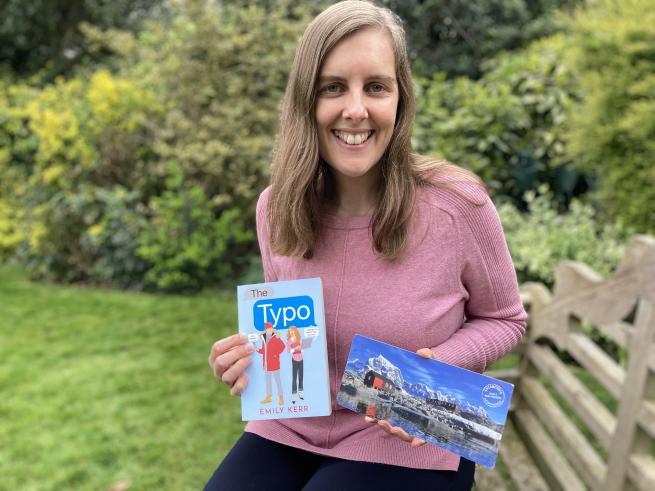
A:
{"points": [[451, 407], [288, 377]]}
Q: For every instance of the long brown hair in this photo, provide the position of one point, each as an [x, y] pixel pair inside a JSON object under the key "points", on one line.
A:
{"points": [[301, 183]]}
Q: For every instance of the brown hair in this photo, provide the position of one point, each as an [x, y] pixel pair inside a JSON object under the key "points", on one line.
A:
{"points": [[301, 183]]}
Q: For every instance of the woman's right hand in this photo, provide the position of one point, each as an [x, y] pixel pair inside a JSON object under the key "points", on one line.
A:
{"points": [[229, 358]]}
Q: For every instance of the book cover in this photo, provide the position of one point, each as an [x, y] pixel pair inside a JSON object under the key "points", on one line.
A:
{"points": [[288, 377], [451, 407]]}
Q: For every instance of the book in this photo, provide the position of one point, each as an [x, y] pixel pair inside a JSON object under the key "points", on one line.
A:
{"points": [[457, 409], [288, 376]]}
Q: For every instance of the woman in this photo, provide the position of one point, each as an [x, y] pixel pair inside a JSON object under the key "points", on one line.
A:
{"points": [[410, 250], [294, 345]]}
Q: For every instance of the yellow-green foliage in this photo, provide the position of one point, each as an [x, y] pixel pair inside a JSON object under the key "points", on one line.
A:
{"points": [[224, 71], [57, 117], [613, 132], [10, 233], [17, 148], [54, 140], [117, 103], [87, 160]]}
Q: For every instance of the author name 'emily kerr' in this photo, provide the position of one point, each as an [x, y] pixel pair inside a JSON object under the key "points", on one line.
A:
{"points": [[280, 410]]}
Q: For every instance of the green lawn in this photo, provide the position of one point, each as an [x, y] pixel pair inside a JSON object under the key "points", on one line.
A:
{"points": [[100, 387]]}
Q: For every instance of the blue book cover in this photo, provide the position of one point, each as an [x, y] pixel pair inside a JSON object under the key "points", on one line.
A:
{"points": [[285, 323], [451, 407]]}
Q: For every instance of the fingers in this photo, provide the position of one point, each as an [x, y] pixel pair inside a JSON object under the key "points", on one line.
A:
{"points": [[223, 345], [232, 373], [396, 431], [228, 359], [425, 353], [239, 385]]}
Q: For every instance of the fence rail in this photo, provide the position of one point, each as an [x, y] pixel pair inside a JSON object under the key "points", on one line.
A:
{"points": [[590, 336]]}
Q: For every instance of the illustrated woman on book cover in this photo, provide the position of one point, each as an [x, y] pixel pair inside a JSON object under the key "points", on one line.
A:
{"points": [[409, 248], [294, 345], [271, 349]]}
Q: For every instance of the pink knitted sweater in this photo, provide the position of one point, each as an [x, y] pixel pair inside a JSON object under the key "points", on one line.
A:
{"points": [[453, 291]]}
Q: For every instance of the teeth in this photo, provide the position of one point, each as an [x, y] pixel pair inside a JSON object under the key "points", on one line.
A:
{"points": [[352, 139]]}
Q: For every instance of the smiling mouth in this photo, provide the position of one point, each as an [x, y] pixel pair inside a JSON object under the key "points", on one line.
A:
{"points": [[353, 138]]}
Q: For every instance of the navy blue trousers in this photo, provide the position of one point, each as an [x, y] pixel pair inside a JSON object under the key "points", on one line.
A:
{"points": [[257, 464]]}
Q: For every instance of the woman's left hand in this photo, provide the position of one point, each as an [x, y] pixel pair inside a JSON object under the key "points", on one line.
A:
{"points": [[396, 430]]}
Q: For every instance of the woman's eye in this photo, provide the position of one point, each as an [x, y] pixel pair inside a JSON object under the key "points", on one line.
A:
{"points": [[331, 89], [376, 87]]}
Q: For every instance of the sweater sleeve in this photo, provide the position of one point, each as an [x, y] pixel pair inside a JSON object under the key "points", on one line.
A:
{"points": [[263, 237], [494, 315]]}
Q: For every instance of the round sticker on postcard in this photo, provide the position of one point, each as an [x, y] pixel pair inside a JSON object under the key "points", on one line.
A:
{"points": [[493, 395]]}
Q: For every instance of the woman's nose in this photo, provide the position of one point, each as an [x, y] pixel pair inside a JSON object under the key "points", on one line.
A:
{"points": [[355, 108]]}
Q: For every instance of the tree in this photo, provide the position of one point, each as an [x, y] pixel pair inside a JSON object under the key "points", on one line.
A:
{"points": [[508, 126], [147, 176], [45, 34], [612, 132], [456, 36]]}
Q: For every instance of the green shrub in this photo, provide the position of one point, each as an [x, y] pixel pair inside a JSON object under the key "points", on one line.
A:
{"points": [[612, 133], [185, 244], [506, 127], [18, 147], [541, 238], [90, 138], [10, 233], [87, 192], [43, 37], [18, 144], [113, 238], [223, 71], [456, 36]]}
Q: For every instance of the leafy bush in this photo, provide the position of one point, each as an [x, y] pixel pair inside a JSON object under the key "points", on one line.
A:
{"points": [[506, 127], [456, 36], [10, 234], [133, 177], [541, 238], [17, 152], [223, 72], [185, 244], [612, 133], [89, 136], [44, 37], [113, 238]]}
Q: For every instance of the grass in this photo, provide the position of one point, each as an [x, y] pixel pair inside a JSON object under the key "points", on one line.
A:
{"points": [[101, 388]]}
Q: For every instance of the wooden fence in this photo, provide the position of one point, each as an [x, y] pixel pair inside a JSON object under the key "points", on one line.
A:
{"points": [[590, 337]]}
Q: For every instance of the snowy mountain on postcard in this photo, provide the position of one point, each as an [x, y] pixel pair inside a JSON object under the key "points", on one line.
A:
{"points": [[285, 323], [453, 408]]}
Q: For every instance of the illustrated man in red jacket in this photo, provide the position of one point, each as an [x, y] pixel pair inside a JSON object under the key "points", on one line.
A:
{"points": [[272, 347]]}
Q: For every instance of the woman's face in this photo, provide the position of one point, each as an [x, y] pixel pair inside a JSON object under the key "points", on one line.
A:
{"points": [[357, 103]]}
